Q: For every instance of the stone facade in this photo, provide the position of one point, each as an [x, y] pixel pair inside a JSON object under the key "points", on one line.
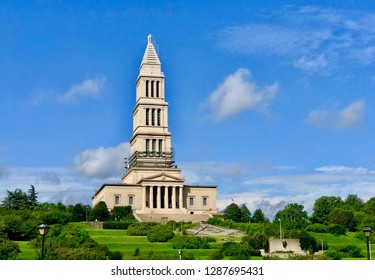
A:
{"points": [[152, 183]]}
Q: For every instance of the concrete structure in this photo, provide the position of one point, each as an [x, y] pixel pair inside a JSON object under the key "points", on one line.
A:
{"points": [[285, 247], [152, 183]]}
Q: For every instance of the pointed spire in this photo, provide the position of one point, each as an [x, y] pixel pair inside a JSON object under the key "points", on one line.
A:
{"points": [[150, 56]]}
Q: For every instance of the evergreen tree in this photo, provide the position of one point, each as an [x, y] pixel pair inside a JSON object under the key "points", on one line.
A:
{"points": [[259, 217], [32, 197], [245, 214]]}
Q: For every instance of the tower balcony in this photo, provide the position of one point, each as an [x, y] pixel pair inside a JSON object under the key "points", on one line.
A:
{"points": [[152, 159]]}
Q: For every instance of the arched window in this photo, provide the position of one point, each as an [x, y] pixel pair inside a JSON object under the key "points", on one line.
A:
{"points": [[152, 88], [153, 117], [147, 88], [147, 116], [159, 116], [157, 88]]}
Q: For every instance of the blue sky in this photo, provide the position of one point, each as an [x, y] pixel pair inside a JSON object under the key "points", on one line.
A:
{"points": [[271, 101]]}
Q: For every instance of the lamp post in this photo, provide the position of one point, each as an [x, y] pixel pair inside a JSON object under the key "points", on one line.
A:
{"points": [[280, 230], [43, 231], [367, 232]]}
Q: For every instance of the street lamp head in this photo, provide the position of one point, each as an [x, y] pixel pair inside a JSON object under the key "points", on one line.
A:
{"points": [[367, 231], [43, 229]]}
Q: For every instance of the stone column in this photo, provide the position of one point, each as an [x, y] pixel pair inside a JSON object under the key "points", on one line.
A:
{"points": [[173, 197], [158, 198], [151, 201], [166, 197], [180, 198], [144, 198]]}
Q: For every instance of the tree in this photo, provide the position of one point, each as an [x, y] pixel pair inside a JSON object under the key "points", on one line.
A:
{"points": [[233, 212], [245, 214], [323, 206], [259, 217], [308, 243], [100, 212], [369, 207], [353, 202], [32, 197], [343, 218], [17, 200], [292, 216]]}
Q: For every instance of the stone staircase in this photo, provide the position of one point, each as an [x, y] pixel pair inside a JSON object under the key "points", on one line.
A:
{"points": [[178, 217]]}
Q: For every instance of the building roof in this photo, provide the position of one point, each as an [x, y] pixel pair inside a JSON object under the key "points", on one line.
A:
{"points": [[150, 56]]}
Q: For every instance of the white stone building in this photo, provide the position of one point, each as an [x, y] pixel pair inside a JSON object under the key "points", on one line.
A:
{"points": [[152, 183]]}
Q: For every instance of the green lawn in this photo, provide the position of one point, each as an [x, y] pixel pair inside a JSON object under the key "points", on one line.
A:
{"points": [[27, 252]]}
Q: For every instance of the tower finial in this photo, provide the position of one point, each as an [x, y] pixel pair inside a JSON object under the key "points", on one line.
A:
{"points": [[149, 38]]}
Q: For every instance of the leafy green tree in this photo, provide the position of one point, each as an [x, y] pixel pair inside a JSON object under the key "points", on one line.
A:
{"points": [[343, 218], [122, 213], [233, 212], [160, 233], [17, 200], [323, 206], [100, 212], [292, 216], [245, 214], [369, 207], [308, 242], [80, 212], [353, 202], [8, 249], [259, 217]]}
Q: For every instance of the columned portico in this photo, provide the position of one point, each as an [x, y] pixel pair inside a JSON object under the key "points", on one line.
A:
{"points": [[166, 197]]}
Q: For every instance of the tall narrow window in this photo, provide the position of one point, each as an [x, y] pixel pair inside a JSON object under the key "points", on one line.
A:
{"points": [[152, 88], [191, 201], [147, 116], [117, 199], [153, 147], [159, 116], [147, 146], [131, 199], [205, 201], [160, 147], [157, 88], [147, 88], [153, 117]]}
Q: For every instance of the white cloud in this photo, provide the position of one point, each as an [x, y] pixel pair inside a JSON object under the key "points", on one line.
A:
{"points": [[349, 117], [102, 162], [239, 93], [314, 64], [88, 88], [340, 169], [314, 38]]}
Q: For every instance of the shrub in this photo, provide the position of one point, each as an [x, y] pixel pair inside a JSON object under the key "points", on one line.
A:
{"points": [[257, 241], [115, 255], [238, 250], [351, 251], [333, 254], [140, 229], [216, 255], [8, 249], [336, 229], [160, 233], [190, 242], [318, 228], [308, 242]]}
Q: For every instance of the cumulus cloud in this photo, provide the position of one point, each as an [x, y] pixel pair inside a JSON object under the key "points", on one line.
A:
{"points": [[349, 117], [238, 93], [102, 162], [88, 88]]}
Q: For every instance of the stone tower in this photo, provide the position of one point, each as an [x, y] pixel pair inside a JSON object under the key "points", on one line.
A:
{"points": [[152, 184]]}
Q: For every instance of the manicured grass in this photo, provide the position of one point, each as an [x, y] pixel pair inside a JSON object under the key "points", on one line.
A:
{"points": [[27, 252]]}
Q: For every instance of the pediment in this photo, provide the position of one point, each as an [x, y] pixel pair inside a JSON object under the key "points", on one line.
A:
{"points": [[162, 177]]}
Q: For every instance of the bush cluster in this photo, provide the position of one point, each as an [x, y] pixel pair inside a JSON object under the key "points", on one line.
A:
{"points": [[116, 225], [191, 242]]}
